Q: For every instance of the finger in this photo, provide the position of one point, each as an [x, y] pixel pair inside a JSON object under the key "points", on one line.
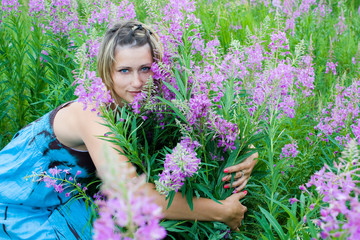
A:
{"points": [[241, 187], [243, 165], [239, 195], [237, 175], [236, 168], [235, 183]]}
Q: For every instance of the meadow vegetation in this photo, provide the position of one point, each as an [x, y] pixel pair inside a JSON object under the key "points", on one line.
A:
{"points": [[282, 75]]}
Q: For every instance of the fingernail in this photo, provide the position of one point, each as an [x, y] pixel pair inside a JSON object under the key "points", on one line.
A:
{"points": [[224, 178], [226, 186], [245, 192], [226, 170]]}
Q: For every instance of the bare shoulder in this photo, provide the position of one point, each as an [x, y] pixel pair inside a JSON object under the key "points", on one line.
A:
{"points": [[85, 130], [73, 123], [78, 110], [89, 128]]}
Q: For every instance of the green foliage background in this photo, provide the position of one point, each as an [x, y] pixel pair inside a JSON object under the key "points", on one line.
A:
{"points": [[30, 87]]}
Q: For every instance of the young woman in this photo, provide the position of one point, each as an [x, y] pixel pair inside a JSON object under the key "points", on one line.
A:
{"points": [[67, 138]]}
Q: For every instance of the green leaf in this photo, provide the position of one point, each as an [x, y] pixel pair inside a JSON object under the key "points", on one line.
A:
{"points": [[292, 216], [312, 228], [336, 143], [274, 223], [189, 198], [175, 109], [205, 191], [170, 196], [180, 84], [302, 203], [177, 93], [265, 225]]}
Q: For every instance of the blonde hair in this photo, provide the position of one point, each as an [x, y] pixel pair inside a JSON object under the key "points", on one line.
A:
{"points": [[129, 33]]}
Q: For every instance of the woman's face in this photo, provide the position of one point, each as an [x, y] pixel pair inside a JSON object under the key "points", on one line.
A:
{"points": [[131, 70]]}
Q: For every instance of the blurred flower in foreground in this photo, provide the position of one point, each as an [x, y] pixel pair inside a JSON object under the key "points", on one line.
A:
{"points": [[339, 189], [127, 212]]}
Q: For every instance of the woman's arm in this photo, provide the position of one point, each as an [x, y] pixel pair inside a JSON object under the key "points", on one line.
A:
{"points": [[88, 127], [230, 211]]}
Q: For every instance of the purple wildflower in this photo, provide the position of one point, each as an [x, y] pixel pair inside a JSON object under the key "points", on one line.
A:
{"points": [[98, 196], [63, 15], [136, 104], [126, 214], [92, 49], [49, 182], [340, 27], [235, 27], [9, 5], [340, 195], [331, 66], [125, 11], [199, 107], [91, 90], [342, 112], [225, 132], [57, 179], [289, 150], [293, 200], [58, 187], [305, 6], [279, 42], [306, 76], [178, 165], [55, 171], [107, 13], [37, 8]]}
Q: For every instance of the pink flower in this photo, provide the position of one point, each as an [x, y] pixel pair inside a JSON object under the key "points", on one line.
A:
{"points": [[293, 200]]}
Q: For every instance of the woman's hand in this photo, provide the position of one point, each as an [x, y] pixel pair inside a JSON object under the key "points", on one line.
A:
{"points": [[242, 173], [234, 210]]}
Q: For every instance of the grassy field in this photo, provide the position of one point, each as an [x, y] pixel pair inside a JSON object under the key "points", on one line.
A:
{"points": [[298, 59]]}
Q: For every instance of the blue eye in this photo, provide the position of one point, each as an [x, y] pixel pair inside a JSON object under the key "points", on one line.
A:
{"points": [[124, 70], [145, 69]]}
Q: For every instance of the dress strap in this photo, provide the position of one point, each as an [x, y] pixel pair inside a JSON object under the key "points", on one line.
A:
{"points": [[54, 112], [51, 119]]}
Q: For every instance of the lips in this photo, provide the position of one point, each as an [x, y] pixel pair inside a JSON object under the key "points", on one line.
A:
{"points": [[134, 93]]}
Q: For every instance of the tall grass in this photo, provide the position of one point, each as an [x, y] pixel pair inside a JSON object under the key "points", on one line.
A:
{"points": [[35, 72], [36, 75]]}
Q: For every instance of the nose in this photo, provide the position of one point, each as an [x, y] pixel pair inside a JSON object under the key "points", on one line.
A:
{"points": [[137, 81]]}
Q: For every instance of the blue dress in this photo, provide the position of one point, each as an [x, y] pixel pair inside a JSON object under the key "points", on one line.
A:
{"points": [[28, 209]]}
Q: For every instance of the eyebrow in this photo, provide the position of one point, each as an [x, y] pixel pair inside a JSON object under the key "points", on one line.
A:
{"points": [[143, 65], [127, 67]]}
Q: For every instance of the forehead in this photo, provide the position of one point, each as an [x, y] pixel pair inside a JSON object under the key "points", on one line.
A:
{"points": [[133, 56]]}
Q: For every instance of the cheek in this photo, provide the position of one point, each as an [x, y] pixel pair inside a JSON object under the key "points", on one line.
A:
{"points": [[120, 80], [146, 76]]}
